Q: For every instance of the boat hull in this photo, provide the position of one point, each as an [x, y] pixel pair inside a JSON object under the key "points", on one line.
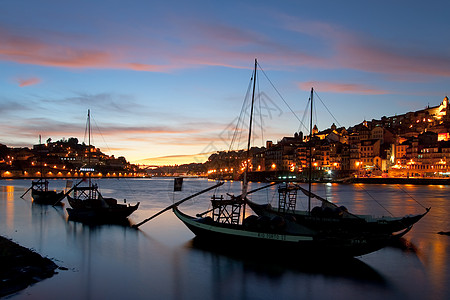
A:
{"points": [[281, 242], [356, 224], [97, 213], [47, 197]]}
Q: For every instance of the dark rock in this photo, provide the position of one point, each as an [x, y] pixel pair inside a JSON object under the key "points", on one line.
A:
{"points": [[21, 267]]}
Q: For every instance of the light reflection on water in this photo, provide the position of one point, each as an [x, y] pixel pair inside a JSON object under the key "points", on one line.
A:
{"points": [[162, 261]]}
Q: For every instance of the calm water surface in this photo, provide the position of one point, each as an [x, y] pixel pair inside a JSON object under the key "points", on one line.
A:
{"points": [[162, 261]]}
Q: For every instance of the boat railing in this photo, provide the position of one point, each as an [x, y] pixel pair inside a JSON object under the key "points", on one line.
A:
{"points": [[227, 211]]}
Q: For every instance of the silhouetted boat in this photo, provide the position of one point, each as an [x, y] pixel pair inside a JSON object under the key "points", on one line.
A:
{"points": [[328, 217], [41, 194], [39, 188], [281, 240], [88, 204], [228, 226]]}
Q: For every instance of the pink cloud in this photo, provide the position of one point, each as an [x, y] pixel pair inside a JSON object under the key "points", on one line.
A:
{"points": [[373, 56], [29, 81], [206, 44], [210, 44], [353, 50], [33, 51], [30, 50], [342, 88]]}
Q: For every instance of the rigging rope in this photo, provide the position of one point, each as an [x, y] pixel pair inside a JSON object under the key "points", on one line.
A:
{"points": [[260, 115], [360, 186], [327, 109], [131, 192], [240, 118], [295, 115], [411, 197], [305, 111], [315, 115]]}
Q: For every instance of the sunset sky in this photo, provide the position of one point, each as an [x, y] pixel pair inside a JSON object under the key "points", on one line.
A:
{"points": [[165, 80]]}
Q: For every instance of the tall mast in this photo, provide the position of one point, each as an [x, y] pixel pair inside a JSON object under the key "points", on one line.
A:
{"points": [[310, 151], [89, 132], [41, 159], [245, 183], [89, 149]]}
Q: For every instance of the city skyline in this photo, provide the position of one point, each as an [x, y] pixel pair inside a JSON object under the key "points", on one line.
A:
{"points": [[165, 81]]}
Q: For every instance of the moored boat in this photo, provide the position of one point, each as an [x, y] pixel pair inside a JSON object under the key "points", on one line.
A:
{"points": [[281, 241], [328, 217], [39, 188], [228, 226], [42, 195], [89, 205]]}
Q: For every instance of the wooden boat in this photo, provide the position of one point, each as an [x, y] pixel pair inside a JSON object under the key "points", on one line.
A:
{"points": [[328, 217], [42, 195], [281, 241], [39, 188], [88, 204], [228, 226]]}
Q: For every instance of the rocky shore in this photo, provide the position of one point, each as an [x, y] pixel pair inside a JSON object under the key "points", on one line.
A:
{"points": [[21, 267]]}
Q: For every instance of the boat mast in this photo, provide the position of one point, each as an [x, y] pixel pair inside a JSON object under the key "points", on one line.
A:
{"points": [[310, 152], [89, 154], [89, 133], [41, 159], [43, 181], [245, 182]]}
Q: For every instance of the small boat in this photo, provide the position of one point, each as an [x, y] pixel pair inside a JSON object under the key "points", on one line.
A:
{"points": [[89, 205], [227, 225], [39, 188], [41, 194]]}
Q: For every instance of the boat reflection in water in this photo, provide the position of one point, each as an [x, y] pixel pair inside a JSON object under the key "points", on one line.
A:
{"points": [[277, 266]]}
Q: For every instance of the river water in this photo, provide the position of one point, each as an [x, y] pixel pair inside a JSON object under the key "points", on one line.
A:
{"points": [[162, 261]]}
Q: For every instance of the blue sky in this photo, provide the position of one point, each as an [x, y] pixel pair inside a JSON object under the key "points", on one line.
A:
{"points": [[165, 80]]}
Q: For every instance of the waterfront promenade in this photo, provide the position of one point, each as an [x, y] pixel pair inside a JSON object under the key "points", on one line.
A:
{"points": [[402, 180], [349, 180], [69, 175]]}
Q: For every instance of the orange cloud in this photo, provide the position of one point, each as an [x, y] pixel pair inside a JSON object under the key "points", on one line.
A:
{"points": [[29, 81], [175, 159], [33, 51], [342, 88], [147, 67]]}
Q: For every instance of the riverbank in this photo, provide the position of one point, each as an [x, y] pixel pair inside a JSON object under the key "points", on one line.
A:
{"points": [[21, 176], [366, 180], [401, 180], [21, 267]]}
